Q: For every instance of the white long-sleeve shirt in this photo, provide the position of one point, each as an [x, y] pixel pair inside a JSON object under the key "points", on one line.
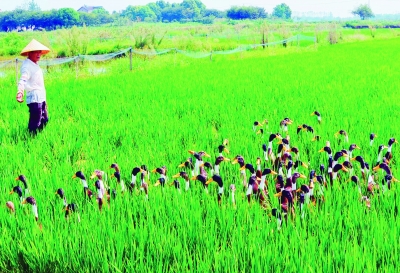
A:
{"points": [[32, 81]]}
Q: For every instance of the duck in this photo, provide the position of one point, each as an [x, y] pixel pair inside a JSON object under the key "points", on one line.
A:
{"points": [[223, 147], [258, 164], [338, 167], [327, 149], [134, 173], [143, 185], [60, 193], [162, 171], [260, 132], [69, 208], [217, 163], [251, 188], [208, 166], [31, 200], [22, 178], [72, 208], [304, 199], [286, 202], [277, 214], [188, 164], [176, 185], [387, 181], [250, 168], [264, 174], [217, 179], [18, 191], [311, 184], [121, 182], [160, 181], [87, 193], [293, 181], [258, 124], [337, 156], [388, 154], [316, 138], [203, 180], [99, 185], [366, 201], [372, 136], [115, 167], [380, 157], [348, 166], [10, 206], [300, 128], [286, 144], [383, 166], [299, 163], [343, 133], [289, 167], [117, 175], [185, 177], [240, 160], [352, 147], [356, 181], [198, 160], [363, 166], [284, 124], [296, 152], [305, 128], [316, 113], [268, 151], [317, 193]]}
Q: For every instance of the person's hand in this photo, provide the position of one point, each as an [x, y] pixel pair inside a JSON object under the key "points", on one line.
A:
{"points": [[20, 97]]}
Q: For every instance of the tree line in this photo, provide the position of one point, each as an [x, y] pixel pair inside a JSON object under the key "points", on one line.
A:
{"points": [[29, 16]]}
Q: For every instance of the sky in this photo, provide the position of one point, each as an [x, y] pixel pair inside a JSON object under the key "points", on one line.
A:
{"points": [[339, 8]]}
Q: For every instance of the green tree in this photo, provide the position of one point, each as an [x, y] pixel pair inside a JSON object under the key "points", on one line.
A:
{"points": [[282, 11], [214, 12], [156, 9], [139, 13], [240, 13], [67, 17], [192, 8], [29, 5], [162, 4], [100, 10], [173, 13], [364, 11]]}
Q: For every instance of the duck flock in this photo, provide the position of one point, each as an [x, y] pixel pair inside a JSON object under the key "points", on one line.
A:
{"points": [[280, 162]]}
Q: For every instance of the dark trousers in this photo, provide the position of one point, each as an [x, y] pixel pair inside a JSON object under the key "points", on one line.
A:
{"points": [[38, 116]]}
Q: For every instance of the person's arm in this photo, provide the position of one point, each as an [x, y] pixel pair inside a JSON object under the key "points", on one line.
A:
{"points": [[25, 75]]}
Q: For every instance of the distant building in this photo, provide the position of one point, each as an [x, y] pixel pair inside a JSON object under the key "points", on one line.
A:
{"points": [[89, 9]]}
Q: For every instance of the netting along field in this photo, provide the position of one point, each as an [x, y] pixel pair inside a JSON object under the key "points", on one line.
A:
{"points": [[153, 116]]}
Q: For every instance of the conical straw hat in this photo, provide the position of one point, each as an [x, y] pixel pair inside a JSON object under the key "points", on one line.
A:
{"points": [[34, 46]]}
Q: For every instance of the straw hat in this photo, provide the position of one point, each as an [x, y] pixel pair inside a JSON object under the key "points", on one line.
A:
{"points": [[34, 46]]}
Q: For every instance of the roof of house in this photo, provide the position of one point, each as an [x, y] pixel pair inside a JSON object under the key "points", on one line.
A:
{"points": [[85, 8]]}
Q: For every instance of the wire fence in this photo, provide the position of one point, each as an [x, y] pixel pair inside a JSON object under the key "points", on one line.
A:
{"points": [[154, 52]]}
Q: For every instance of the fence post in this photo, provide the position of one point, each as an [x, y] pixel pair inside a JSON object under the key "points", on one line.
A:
{"points": [[211, 56], [130, 58], [298, 39], [16, 69]]}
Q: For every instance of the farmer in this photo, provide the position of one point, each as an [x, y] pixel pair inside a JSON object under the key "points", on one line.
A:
{"points": [[32, 81]]}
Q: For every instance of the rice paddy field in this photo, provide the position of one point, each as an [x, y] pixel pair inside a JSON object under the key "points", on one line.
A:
{"points": [[166, 106]]}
